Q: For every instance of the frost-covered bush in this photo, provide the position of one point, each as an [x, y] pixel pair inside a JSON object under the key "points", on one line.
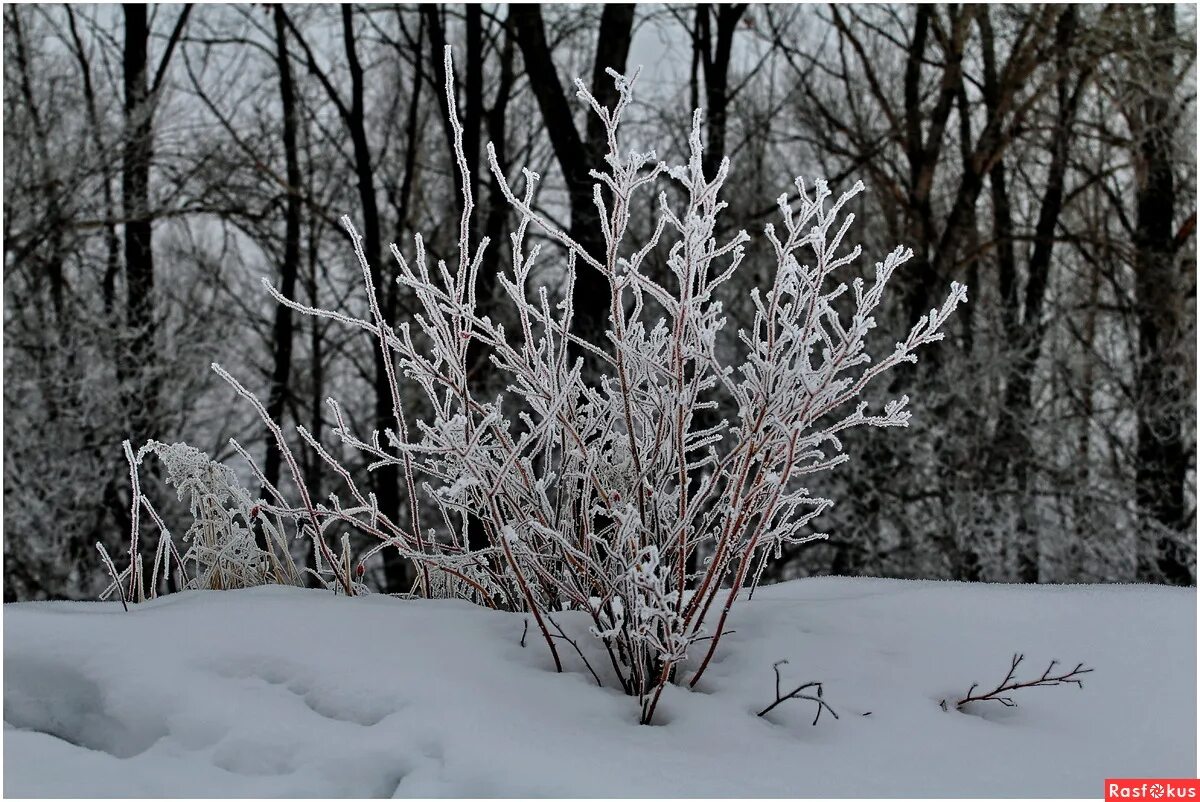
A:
{"points": [[597, 492], [232, 541]]}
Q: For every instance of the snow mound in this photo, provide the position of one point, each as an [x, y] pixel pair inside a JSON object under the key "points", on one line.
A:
{"points": [[285, 692]]}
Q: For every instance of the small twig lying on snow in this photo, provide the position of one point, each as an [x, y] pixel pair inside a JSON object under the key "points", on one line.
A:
{"points": [[1008, 684], [796, 694], [524, 632]]}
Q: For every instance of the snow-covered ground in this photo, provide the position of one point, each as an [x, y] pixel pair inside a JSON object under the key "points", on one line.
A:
{"points": [[287, 692]]}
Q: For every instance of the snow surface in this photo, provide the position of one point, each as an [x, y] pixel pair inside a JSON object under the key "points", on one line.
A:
{"points": [[287, 692]]}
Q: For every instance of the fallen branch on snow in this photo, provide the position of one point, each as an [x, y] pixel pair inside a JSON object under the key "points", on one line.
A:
{"points": [[1009, 684], [798, 694]]}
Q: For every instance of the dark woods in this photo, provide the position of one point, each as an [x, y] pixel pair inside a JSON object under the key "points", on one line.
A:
{"points": [[158, 160]]}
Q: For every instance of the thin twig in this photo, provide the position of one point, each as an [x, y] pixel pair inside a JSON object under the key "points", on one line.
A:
{"points": [[574, 645]]}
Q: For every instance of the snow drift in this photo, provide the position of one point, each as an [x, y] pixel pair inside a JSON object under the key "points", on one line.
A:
{"points": [[279, 691]]}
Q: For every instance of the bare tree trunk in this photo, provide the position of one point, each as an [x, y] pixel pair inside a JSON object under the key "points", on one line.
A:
{"points": [[430, 13], [138, 371], [497, 123], [1161, 453], [112, 243], [284, 328], [494, 228], [412, 136], [52, 264], [387, 477], [316, 401], [1022, 317], [576, 155], [113, 503], [1083, 512], [473, 96], [716, 56]]}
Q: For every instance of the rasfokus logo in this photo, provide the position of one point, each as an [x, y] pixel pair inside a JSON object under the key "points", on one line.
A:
{"points": [[1157, 788]]}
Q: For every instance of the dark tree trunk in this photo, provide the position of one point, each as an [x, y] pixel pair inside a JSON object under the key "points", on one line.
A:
{"points": [[937, 254], [576, 155], [114, 504], [471, 120], [431, 16], [112, 242], [1022, 316], [316, 401], [921, 165], [701, 11], [138, 373], [497, 215], [473, 95], [284, 328], [716, 56], [51, 266], [387, 477], [1019, 401], [398, 573], [494, 229], [403, 203], [962, 543], [1163, 402], [138, 368]]}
